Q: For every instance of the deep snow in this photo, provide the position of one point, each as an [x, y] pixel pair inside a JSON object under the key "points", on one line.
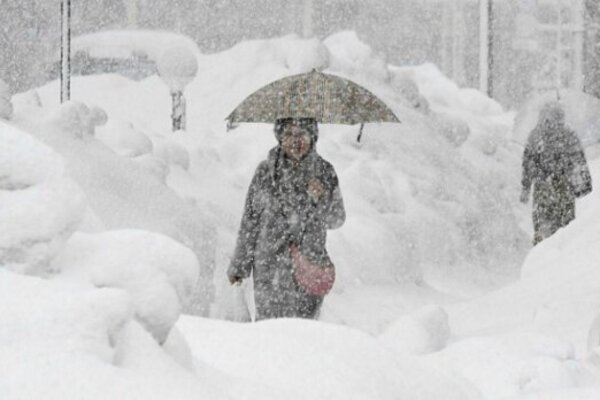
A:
{"points": [[438, 294]]}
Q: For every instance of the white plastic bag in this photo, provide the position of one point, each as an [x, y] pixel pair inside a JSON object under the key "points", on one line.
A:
{"points": [[237, 308]]}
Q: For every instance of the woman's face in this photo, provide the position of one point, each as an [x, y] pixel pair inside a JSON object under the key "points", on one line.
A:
{"points": [[296, 142]]}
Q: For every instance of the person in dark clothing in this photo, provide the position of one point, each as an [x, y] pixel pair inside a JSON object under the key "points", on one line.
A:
{"points": [[294, 197], [554, 163]]}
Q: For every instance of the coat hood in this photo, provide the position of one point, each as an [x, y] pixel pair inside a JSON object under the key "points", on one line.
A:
{"points": [[552, 115], [309, 124]]}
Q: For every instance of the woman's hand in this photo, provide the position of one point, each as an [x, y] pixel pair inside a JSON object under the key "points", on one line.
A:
{"points": [[315, 189]]}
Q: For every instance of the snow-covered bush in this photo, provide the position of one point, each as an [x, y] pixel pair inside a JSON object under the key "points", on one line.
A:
{"points": [[77, 119], [39, 206], [98, 116], [455, 130], [156, 271], [125, 195], [6, 107], [124, 139]]}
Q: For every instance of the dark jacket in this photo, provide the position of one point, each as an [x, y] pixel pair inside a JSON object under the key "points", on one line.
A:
{"points": [[554, 164], [278, 212]]}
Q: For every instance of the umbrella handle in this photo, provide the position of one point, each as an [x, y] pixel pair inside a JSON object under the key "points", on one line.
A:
{"points": [[360, 132]]}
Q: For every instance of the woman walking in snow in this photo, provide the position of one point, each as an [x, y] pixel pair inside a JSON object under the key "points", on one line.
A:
{"points": [[294, 197], [554, 162]]}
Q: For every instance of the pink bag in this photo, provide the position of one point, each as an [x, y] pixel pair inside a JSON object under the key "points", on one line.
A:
{"points": [[314, 279]]}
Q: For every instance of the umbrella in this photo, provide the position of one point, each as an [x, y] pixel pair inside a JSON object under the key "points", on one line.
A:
{"points": [[327, 98], [582, 114]]}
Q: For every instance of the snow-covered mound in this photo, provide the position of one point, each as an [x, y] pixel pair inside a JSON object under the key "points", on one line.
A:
{"points": [[299, 359], [421, 204], [40, 207], [421, 332], [557, 293], [61, 341], [540, 334], [158, 272], [502, 366], [109, 298], [125, 194], [431, 203]]}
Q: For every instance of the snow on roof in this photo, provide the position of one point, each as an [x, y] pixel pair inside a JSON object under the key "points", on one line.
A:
{"points": [[127, 43]]}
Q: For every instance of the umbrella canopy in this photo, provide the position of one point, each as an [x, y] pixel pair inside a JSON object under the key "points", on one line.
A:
{"points": [[582, 114], [327, 98]]}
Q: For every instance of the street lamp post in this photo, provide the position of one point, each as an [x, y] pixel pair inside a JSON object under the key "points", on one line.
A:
{"points": [[65, 51], [177, 67], [486, 41]]}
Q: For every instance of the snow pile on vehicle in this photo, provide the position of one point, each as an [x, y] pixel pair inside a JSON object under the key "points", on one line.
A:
{"points": [[130, 43]]}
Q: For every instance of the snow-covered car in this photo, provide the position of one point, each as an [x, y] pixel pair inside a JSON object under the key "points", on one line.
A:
{"points": [[131, 53]]}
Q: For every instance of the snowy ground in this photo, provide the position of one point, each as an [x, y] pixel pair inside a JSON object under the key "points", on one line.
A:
{"points": [[116, 226]]}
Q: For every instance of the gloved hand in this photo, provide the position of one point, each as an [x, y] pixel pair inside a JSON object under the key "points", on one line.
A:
{"points": [[234, 279], [315, 189], [524, 196]]}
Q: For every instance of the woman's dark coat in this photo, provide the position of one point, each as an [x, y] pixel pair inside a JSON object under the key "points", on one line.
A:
{"points": [[278, 212]]}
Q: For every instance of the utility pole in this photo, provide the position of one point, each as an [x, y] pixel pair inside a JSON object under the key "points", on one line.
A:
{"points": [[458, 42], [559, 47], [307, 20], [486, 40], [65, 51], [132, 13], [447, 38], [579, 22]]}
